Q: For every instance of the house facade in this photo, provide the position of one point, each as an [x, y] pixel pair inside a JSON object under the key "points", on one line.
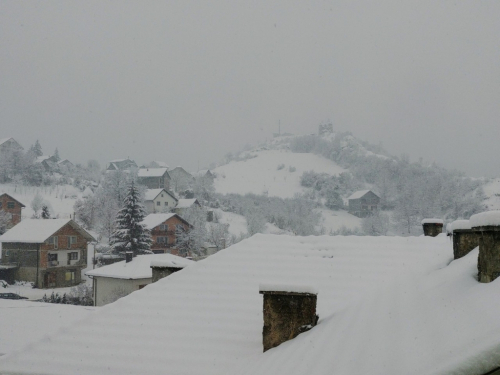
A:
{"points": [[50, 253], [159, 200], [164, 229], [13, 207], [154, 178], [362, 203], [48, 163]]}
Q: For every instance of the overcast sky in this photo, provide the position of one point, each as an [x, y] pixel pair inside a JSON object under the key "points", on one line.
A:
{"points": [[189, 81]]}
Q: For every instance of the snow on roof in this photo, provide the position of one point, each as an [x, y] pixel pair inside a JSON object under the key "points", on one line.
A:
{"points": [[151, 172], [3, 140], [153, 220], [213, 309], [178, 262], [42, 158], [161, 164], [432, 221], [489, 218], [287, 288], [118, 160], [138, 268], [186, 203], [358, 194], [151, 194], [39, 230], [460, 224]]}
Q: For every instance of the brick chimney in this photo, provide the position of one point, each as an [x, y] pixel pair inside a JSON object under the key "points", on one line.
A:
{"points": [[464, 238], [288, 311], [486, 225], [432, 227], [162, 268], [128, 256]]}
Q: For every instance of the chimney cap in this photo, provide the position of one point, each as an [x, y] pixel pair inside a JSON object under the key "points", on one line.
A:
{"points": [[280, 288], [432, 221], [485, 219]]}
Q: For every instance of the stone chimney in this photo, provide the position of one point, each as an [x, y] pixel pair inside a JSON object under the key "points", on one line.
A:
{"points": [[464, 239], [432, 227], [288, 311], [487, 228], [128, 256], [162, 268]]}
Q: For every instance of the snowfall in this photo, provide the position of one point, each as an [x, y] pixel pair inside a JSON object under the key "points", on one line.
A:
{"points": [[387, 305]]}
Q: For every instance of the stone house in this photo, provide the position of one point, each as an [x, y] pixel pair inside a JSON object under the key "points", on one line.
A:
{"points": [[13, 207], [163, 229], [50, 253], [180, 179], [121, 165], [159, 200], [154, 178], [120, 279], [362, 203]]}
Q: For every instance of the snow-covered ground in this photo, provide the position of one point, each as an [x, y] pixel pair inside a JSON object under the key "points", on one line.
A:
{"points": [[60, 199], [334, 220], [24, 322], [260, 175], [238, 224]]}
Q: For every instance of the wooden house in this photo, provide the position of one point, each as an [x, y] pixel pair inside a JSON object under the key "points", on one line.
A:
{"points": [[362, 203], [154, 178], [51, 253], [13, 207], [163, 229], [159, 200]]}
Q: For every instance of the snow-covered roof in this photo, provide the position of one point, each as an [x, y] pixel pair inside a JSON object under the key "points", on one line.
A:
{"points": [[287, 288], [12, 197], [138, 268], [489, 218], [3, 140], [39, 230], [151, 172], [153, 220], [358, 194], [432, 221], [39, 159], [460, 224], [186, 203], [387, 305], [151, 194], [178, 262]]}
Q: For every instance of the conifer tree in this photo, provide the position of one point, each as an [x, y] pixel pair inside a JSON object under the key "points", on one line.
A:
{"points": [[56, 156], [37, 149], [130, 234], [45, 212]]}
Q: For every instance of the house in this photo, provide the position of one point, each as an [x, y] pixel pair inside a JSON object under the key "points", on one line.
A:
{"points": [[121, 165], [48, 163], [154, 178], [65, 163], [386, 305], [362, 203], [120, 279], [184, 205], [159, 200], [8, 146], [12, 206], [163, 229], [180, 179], [50, 253]]}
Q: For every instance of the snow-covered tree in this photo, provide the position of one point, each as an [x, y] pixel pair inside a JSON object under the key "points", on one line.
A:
{"points": [[45, 212], [130, 234], [56, 156], [37, 149], [5, 219], [377, 224], [36, 204], [198, 233]]}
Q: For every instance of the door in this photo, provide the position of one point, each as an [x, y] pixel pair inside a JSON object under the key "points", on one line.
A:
{"points": [[50, 280]]}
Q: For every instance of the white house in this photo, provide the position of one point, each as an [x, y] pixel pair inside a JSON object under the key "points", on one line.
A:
{"points": [[386, 305], [183, 205], [159, 200], [122, 278]]}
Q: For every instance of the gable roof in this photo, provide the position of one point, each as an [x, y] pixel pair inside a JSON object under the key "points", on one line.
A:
{"points": [[213, 309], [151, 194], [4, 140], [153, 172], [187, 203], [359, 194], [153, 220], [11, 197], [138, 268], [39, 230]]}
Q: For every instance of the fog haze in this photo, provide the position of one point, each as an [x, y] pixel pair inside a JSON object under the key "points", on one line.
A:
{"points": [[189, 81]]}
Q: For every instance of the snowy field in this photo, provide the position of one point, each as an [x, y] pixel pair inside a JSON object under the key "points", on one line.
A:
{"points": [[261, 175], [334, 220]]}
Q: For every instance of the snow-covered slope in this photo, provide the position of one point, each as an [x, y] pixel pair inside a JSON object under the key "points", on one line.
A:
{"points": [[272, 172], [492, 192]]}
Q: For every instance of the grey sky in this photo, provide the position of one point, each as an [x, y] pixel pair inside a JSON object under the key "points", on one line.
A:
{"points": [[192, 80]]}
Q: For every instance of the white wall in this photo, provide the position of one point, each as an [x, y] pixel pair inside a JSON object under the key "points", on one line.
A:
{"points": [[108, 289]]}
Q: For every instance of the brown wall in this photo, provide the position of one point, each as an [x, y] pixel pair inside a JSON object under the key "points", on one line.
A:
{"points": [[170, 233], [15, 212]]}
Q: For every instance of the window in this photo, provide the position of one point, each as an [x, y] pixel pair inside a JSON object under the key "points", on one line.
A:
{"points": [[179, 227], [11, 205], [73, 256], [52, 257], [161, 239], [71, 240], [70, 275], [166, 203], [54, 240], [163, 227], [158, 203]]}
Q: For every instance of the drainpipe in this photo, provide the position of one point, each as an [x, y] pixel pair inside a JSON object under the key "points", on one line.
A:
{"points": [[37, 264]]}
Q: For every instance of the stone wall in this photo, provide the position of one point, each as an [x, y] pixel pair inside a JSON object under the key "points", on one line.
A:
{"points": [[488, 263], [432, 229], [464, 241]]}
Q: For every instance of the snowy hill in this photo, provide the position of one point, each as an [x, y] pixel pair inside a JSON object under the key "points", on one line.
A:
{"points": [[272, 172]]}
